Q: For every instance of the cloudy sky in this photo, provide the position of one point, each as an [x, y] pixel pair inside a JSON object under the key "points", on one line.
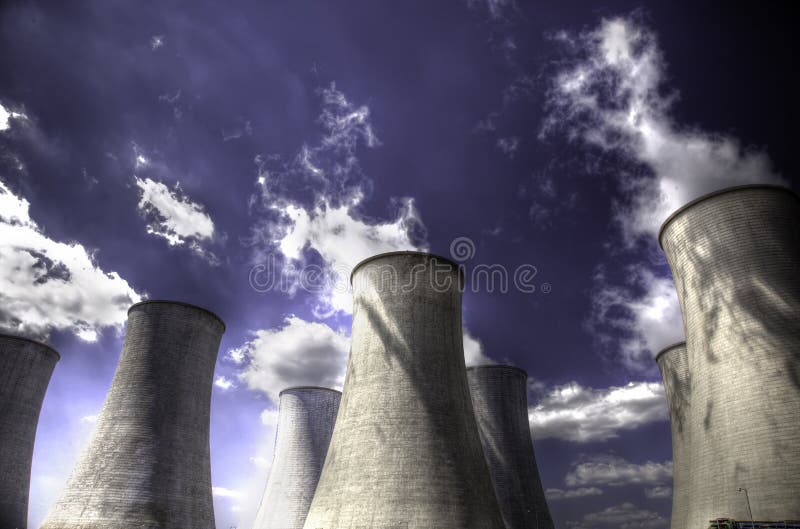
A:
{"points": [[231, 154]]}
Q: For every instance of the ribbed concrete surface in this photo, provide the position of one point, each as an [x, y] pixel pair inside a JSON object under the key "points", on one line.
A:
{"points": [[500, 398], [25, 370], [405, 451], [147, 465], [305, 423], [674, 365], [736, 262]]}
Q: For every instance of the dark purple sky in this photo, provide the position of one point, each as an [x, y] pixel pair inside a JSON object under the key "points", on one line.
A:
{"points": [[163, 150]]}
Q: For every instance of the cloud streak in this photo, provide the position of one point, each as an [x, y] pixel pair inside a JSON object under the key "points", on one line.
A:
{"points": [[572, 412]]}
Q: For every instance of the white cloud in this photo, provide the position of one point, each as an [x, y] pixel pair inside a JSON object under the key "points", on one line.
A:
{"points": [[508, 145], [613, 97], [222, 492], [638, 319], [473, 351], [318, 197], [658, 492], [269, 417], [6, 115], [90, 419], [300, 353], [576, 413], [623, 516], [156, 41], [561, 494], [342, 241], [615, 471], [173, 216], [47, 285], [224, 383], [260, 462]]}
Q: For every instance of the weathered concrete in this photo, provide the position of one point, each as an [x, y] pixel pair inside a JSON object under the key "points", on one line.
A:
{"points": [[405, 451], [673, 362], [306, 416], [735, 257], [25, 370], [147, 465], [500, 399]]}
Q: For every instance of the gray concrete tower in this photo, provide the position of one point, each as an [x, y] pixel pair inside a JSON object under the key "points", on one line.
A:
{"points": [[305, 423], [674, 365], [500, 398], [147, 465], [25, 370], [405, 451], [735, 258]]}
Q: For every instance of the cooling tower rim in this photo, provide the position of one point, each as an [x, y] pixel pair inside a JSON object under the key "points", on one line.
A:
{"points": [[713, 194], [180, 303], [292, 388], [45, 346], [669, 348], [403, 252], [498, 366]]}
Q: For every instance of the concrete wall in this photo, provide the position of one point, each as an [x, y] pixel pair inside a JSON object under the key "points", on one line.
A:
{"points": [[674, 365], [147, 465], [305, 423], [25, 370], [405, 451], [735, 257], [500, 398]]}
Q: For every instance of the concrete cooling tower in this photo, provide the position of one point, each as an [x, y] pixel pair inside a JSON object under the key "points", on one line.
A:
{"points": [[500, 398], [735, 258], [305, 423], [147, 465], [674, 365], [405, 451], [25, 369]]}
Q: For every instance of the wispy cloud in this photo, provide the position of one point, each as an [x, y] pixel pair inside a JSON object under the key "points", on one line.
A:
{"points": [[171, 215], [50, 285], [636, 320], [615, 471], [7, 115], [612, 95], [561, 494], [576, 413], [224, 383], [623, 516], [310, 207]]}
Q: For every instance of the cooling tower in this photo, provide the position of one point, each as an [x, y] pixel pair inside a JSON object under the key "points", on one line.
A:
{"points": [[405, 451], [305, 423], [147, 465], [25, 369], [500, 398], [674, 365], [735, 258]]}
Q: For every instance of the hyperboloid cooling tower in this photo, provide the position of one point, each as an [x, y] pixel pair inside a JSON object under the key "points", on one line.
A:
{"points": [[405, 451], [674, 365], [25, 369], [147, 464], [500, 399], [305, 423], [735, 258]]}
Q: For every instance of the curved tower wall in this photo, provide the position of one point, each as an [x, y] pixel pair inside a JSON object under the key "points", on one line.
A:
{"points": [[674, 365], [147, 464], [405, 451], [25, 370], [500, 399], [735, 257], [305, 423]]}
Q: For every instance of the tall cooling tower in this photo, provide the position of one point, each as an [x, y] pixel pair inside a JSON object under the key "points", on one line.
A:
{"points": [[25, 369], [500, 398], [674, 365], [405, 451], [735, 257], [147, 465], [305, 423]]}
